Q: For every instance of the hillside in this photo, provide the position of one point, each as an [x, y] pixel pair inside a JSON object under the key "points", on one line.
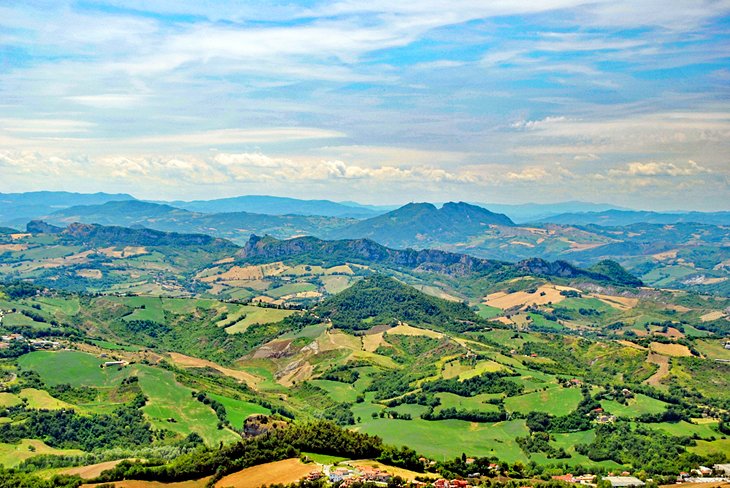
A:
{"points": [[378, 300], [423, 223], [330, 253], [233, 225], [521, 391], [681, 255]]}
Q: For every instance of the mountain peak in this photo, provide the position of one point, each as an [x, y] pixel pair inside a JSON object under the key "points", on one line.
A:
{"points": [[425, 223]]}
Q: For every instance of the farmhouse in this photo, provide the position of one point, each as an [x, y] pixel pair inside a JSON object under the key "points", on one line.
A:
{"points": [[624, 481], [723, 469], [13, 337], [108, 364], [568, 478]]}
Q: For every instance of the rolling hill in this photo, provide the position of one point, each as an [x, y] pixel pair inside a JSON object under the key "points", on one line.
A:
{"points": [[379, 299], [425, 224], [234, 225]]}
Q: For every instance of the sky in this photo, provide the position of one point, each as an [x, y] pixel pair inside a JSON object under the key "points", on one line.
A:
{"points": [[381, 102]]}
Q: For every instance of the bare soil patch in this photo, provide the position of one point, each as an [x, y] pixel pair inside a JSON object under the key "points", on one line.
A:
{"points": [[670, 349], [93, 470], [708, 317], [662, 372], [191, 362], [542, 296], [408, 330]]}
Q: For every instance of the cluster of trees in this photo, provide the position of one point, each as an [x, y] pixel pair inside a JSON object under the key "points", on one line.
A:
{"points": [[20, 289], [344, 373], [491, 382], [340, 413], [72, 394], [15, 349], [392, 414], [579, 419], [403, 457], [66, 429], [386, 385], [318, 436], [654, 451], [418, 398], [462, 414], [218, 407], [540, 442], [379, 299]]}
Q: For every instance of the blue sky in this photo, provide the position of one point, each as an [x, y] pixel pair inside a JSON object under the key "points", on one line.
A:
{"points": [[619, 101]]}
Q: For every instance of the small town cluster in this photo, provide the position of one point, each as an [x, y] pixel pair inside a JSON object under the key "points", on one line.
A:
{"points": [[349, 474]]}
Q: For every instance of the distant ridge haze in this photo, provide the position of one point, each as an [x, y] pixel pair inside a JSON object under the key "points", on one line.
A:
{"points": [[18, 208]]}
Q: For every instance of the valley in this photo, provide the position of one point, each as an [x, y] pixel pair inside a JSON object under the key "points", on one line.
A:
{"points": [[532, 363]]}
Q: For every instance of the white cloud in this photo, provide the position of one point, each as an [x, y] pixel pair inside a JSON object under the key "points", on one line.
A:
{"points": [[655, 168]]}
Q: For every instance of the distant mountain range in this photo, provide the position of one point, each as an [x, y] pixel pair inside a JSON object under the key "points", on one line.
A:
{"points": [[263, 204], [532, 212], [677, 254], [17, 208], [618, 218], [233, 225]]}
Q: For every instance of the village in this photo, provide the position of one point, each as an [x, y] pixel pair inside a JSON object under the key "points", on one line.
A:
{"points": [[348, 473]]}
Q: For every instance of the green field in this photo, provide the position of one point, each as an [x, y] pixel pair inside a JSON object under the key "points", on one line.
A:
{"points": [[41, 399], [13, 454], [555, 400], [335, 283], [238, 410], [705, 448], [170, 400], [257, 315], [66, 306], [72, 367], [586, 303], [539, 321], [447, 439], [8, 400], [324, 458], [637, 406], [290, 289], [568, 442], [488, 312], [679, 429], [338, 391]]}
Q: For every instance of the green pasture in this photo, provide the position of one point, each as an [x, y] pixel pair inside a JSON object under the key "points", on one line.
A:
{"points": [[238, 410], [487, 311], [258, 315], [338, 391], [682, 429], [72, 367], [637, 406], [555, 400], [447, 439], [171, 406], [290, 289]]}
